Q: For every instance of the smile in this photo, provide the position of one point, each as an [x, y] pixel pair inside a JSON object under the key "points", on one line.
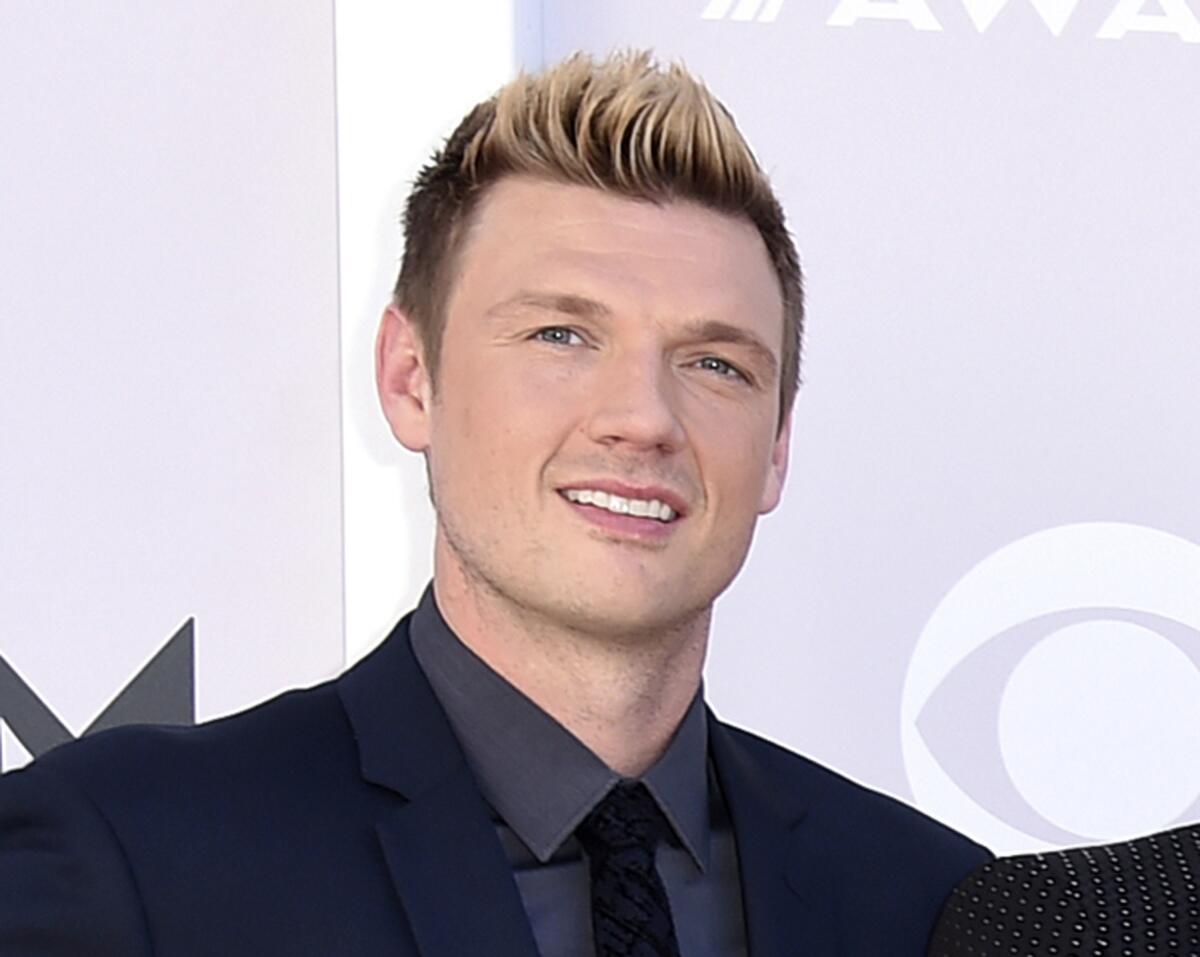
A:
{"points": [[620, 505]]}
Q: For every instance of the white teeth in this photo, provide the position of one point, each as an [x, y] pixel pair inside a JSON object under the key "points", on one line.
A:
{"points": [[620, 505]]}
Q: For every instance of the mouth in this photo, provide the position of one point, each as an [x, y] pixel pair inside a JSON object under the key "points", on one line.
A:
{"points": [[643, 513], [652, 508]]}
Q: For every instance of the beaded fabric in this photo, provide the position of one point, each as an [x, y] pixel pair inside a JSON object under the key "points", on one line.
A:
{"points": [[1131, 899]]}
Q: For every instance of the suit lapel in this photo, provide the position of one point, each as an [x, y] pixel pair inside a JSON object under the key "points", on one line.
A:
{"points": [[452, 876], [447, 865], [787, 898]]}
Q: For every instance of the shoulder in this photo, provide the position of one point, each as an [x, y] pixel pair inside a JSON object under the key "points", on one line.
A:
{"points": [[1053, 899], [131, 770], [859, 821], [879, 869], [87, 828]]}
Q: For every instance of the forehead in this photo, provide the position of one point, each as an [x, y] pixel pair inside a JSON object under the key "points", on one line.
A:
{"points": [[675, 259]]}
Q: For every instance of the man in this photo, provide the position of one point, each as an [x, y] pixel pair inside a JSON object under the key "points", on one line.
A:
{"points": [[594, 343]]}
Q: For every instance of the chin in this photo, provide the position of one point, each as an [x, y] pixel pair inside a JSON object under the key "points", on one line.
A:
{"points": [[623, 616]]}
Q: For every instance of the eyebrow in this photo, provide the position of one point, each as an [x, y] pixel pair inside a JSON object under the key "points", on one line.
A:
{"points": [[696, 330], [564, 303]]}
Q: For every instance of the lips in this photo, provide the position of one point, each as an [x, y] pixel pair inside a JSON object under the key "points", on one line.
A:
{"points": [[619, 505], [642, 514], [641, 501]]}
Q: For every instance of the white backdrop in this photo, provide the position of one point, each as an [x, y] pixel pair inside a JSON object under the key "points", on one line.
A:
{"points": [[983, 590], [168, 360]]}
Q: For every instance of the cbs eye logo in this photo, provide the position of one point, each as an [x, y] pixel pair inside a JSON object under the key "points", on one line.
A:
{"points": [[1054, 696]]}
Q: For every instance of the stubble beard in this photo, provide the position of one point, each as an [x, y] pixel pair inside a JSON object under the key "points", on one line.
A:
{"points": [[540, 605]]}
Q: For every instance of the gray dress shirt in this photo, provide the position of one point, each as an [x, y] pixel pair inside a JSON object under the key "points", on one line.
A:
{"points": [[541, 782]]}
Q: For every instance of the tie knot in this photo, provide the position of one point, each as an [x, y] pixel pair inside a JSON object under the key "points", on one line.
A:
{"points": [[627, 819]]}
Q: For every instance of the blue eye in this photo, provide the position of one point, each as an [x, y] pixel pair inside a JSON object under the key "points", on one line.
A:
{"points": [[558, 336], [721, 367]]}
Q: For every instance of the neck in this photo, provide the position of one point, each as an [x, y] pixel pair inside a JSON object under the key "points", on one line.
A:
{"points": [[622, 695]]}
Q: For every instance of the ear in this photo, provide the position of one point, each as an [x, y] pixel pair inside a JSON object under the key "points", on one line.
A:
{"points": [[777, 470], [402, 378]]}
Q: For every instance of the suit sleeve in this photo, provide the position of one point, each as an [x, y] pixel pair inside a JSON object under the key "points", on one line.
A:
{"points": [[66, 888]]}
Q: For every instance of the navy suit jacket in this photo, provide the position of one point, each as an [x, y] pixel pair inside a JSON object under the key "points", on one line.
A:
{"points": [[343, 819]]}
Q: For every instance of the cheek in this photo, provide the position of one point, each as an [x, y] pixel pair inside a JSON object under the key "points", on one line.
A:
{"points": [[537, 403], [500, 421], [735, 459]]}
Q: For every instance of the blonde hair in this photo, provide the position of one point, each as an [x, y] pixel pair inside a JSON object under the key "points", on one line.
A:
{"points": [[623, 124]]}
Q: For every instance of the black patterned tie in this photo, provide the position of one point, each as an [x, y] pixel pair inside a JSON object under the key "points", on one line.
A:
{"points": [[631, 916]]}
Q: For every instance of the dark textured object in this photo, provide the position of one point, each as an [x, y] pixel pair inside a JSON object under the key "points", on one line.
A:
{"points": [[631, 915], [1132, 899]]}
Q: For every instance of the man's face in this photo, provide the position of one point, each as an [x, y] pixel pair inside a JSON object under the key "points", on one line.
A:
{"points": [[602, 359]]}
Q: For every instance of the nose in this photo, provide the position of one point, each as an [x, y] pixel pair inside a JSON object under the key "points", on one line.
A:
{"points": [[635, 405]]}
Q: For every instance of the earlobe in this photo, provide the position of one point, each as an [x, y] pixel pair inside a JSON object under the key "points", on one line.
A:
{"points": [[402, 378], [777, 469]]}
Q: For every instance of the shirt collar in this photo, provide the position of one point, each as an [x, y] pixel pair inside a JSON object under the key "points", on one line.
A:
{"points": [[679, 781], [541, 779]]}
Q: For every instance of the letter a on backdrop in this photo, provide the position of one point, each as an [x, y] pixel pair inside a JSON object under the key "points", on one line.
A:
{"points": [[916, 12], [1128, 17]]}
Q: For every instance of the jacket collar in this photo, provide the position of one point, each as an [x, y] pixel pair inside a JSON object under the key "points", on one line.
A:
{"points": [[439, 841]]}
